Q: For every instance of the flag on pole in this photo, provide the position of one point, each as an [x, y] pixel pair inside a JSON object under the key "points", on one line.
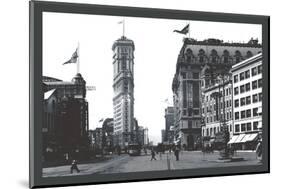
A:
{"points": [[122, 22], [184, 31], [73, 58]]}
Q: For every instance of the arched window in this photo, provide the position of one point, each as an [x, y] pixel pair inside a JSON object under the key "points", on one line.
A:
{"points": [[249, 54], [238, 56], [201, 56], [225, 57], [214, 56], [188, 55]]}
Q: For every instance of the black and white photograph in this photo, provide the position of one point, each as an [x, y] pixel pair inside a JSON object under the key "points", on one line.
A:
{"points": [[125, 94]]}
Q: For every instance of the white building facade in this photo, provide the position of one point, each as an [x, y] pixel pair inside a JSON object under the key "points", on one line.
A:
{"points": [[247, 103]]}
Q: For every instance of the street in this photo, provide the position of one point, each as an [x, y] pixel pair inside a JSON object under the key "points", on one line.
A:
{"points": [[125, 163]]}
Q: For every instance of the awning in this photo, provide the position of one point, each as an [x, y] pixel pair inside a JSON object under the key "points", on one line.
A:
{"points": [[246, 138], [240, 138], [233, 139], [252, 137]]}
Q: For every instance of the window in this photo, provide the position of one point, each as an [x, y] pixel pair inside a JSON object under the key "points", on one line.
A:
{"points": [[195, 75], [227, 115], [243, 114], [255, 98], [248, 113], [184, 112], [259, 69], [254, 71], [242, 76], [230, 115], [189, 124], [237, 128], [225, 59], [247, 74], [229, 103], [243, 127], [260, 96], [248, 87], [183, 75], [196, 112], [236, 115], [201, 59], [255, 125], [249, 126], [189, 112], [254, 85], [242, 88], [236, 91], [260, 83], [235, 78], [255, 112], [230, 91], [248, 100], [242, 101]]}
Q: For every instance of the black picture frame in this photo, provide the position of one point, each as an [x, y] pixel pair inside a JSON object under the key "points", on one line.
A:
{"points": [[35, 83]]}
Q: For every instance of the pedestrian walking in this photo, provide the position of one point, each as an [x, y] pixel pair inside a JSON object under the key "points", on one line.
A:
{"points": [[177, 151], [74, 167], [152, 155]]}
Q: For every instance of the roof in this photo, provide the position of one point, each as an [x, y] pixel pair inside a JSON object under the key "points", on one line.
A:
{"points": [[49, 93], [59, 83], [247, 62]]}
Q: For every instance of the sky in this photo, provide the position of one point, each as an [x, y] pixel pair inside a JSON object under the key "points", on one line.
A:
{"points": [[156, 51]]}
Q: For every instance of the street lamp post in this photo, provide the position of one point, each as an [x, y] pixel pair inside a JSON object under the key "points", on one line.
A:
{"points": [[225, 153]]}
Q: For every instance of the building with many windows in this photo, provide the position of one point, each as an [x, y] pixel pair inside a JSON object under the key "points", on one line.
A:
{"points": [[123, 87], [169, 124], [187, 82], [216, 110], [247, 102]]}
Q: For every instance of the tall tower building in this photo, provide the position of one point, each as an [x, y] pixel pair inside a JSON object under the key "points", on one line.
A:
{"points": [[123, 87]]}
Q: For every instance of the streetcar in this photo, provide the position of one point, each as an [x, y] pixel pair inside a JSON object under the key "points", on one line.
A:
{"points": [[134, 149]]}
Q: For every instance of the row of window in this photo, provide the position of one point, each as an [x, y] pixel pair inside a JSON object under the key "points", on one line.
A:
{"points": [[246, 127], [226, 92], [210, 108], [246, 74], [247, 100], [246, 87], [213, 130], [246, 113], [214, 118]]}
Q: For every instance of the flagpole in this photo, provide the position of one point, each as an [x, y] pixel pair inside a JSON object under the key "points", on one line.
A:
{"points": [[189, 30], [78, 61], [124, 27]]}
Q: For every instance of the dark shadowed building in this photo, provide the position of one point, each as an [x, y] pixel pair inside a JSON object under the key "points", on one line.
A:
{"points": [[65, 118]]}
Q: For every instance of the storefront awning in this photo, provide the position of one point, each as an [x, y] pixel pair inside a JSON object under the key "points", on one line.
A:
{"points": [[239, 139], [252, 137], [233, 139]]}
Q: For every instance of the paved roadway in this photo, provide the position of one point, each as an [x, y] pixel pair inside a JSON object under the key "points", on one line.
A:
{"points": [[126, 163]]}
